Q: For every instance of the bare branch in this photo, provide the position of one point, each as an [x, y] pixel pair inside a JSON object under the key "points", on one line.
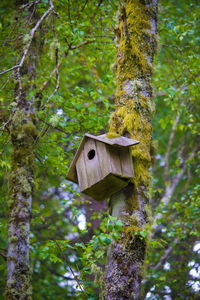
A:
{"points": [[171, 138], [4, 256], [170, 188], [56, 70], [9, 120], [33, 30], [27, 5], [74, 275], [96, 11], [80, 45], [8, 70], [166, 254], [58, 274], [4, 147], [49, 125], [189, 178], [57, 80], [5, 82], [44, 85], [100, 36]]}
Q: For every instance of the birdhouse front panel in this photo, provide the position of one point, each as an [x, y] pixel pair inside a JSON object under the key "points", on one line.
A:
{"points": [[102, 166], [92, 164]]}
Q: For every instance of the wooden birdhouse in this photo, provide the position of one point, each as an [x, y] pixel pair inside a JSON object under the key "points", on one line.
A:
{"points": [[102, 166]]}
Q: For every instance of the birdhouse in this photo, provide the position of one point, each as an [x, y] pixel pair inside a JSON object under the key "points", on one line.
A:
{"points": [[102, 166]]}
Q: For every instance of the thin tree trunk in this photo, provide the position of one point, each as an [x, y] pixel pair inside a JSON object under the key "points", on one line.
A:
{"points": [[23, 133], [136, 44]]}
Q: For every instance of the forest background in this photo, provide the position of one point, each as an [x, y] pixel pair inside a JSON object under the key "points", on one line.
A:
{"points": [[74, 87]]}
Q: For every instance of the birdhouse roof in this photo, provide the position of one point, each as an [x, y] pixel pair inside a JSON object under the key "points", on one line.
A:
{"points": [[119, 142]]}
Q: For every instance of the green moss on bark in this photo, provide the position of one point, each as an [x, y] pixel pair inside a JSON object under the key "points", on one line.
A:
{"points": [[136, 45], [136, 42], [21, 185]]}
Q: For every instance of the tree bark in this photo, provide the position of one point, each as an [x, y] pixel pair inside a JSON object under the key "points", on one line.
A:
{"points": [[136, 42], [23, 132]]}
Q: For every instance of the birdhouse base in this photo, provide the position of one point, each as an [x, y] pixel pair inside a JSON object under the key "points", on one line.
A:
{"points": [[106, 187]]}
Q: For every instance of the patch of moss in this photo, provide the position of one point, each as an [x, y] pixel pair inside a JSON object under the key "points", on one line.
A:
{"points": [[112, 135], [136, 45], [133, 75], [30, 129], [11, 202], [13, 239]]}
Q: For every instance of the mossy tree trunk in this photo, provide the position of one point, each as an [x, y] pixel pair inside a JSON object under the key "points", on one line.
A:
{"points": [[23, 133], [136, 42]]}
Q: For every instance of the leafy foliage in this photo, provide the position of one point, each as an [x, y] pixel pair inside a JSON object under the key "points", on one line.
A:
{"points": [[65, 258]]}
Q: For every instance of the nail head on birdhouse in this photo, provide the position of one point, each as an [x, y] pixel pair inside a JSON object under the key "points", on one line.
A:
{"points": [[102, 166]]}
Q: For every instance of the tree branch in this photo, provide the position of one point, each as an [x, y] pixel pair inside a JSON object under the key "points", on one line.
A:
{"points": [[171, 138], [59, 275], [4, 256], [4, 146], [27, 5], [80, 45], [74, 275], [31, 36], [166, 254], [57, 80], [59, 129], [170, 188]]}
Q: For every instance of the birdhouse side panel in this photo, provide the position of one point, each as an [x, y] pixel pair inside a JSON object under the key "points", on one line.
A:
{"points": [[126, 162], [92, 163], [81, 172], [104, 158], [115, 163]]}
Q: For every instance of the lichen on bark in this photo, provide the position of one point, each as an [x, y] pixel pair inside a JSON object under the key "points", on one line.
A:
{"points": [[24, 134], [21, 185], [136, 42]]}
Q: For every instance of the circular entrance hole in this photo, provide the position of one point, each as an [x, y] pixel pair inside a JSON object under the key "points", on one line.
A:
{"points": [[91, 154]]}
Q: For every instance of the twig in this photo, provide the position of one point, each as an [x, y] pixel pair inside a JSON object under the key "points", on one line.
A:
{"points": [[45, 131], [101, 35], [69, 15], [96, 10], [27, 5], [80, 45], [60, 275], [5, 82], [57, 80], [166, 254], [75, 277], [20, 84], [9, 120], [56, 70], [44, 85], [39, 159], [183, 57], [4, 256], [8, 70], [170, 188], [171, 138], [4, 147], [59, 129], [189, 178]]}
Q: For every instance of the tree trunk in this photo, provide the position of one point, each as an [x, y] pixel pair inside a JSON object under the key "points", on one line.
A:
{"points": [[136, 42], [23, 133]]}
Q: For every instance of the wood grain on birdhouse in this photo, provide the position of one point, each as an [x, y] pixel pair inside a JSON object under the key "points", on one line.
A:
{"points": [[102, 166]]}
